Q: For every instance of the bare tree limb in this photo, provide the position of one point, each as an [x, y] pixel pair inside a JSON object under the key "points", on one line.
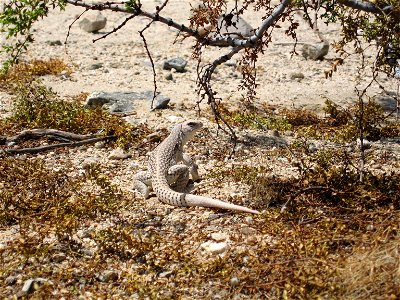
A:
{"points": [[54, 146], [53, 133], [120, 7], [367, 6]]}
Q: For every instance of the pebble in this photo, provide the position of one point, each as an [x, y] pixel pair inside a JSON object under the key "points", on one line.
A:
{"points": [[118, 154], [95, 66], [176, 63], [219, 236], [214, 248], [58, 257], [54, 43], [100, 145], [249, 220], [93, 24], [10, 280], [315, 51], [367, 144], [248, 230], [297, 76], [30, 285], [108, 275], [169, 77], [234, 281], [160, 102]]}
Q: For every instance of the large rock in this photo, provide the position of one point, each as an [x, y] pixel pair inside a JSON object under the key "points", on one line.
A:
{"points": [[124, 102], [387, 100], [93, 24], [315, 51], [234, 26], [231, 26], [176, 63]]}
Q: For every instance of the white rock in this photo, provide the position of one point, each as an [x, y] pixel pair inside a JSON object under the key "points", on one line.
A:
{"points": [[118, 154], [219, 236], [214, 248], [93, 24], [249, 219], [248, 230], [234, 281]]}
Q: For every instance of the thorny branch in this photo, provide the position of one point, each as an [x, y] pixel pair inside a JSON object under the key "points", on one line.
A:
{"points": [[141, 33], [257, 40]]}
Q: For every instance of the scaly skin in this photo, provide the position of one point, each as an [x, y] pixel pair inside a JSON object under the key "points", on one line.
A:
{"points": [[166, 156]]}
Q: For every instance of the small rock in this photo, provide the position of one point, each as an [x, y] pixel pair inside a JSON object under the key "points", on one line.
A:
{"points": [[59, 257], [312, 148], [160, 102], [249, 220], [87, 252], [315, 51], [234, 281], [176, 63], [10, 280], [100, 145], [366, 144], [231, 63], [54, 43], [118, 153], [248, 230], [32, 284], [95, 66], [169, 77], [219, 236], [214, 248], [387, 100], [108, 275], [165, 273], [297, 76], [93, 25], [370, 227]]}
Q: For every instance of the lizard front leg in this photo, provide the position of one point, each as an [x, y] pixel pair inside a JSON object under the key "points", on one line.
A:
{"points": [[142, 183], [178, 177], [192, 166]]}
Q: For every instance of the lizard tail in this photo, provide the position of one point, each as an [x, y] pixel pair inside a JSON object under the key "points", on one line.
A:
{"points": [[195, 200]]}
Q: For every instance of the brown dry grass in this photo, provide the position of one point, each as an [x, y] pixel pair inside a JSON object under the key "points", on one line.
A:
{"points": [[372, 273]]}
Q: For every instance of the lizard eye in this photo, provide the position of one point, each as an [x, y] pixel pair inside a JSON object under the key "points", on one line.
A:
{"points": [[192, 124]]}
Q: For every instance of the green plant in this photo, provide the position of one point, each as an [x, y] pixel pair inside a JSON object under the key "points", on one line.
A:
{"points": [[38, 107]]}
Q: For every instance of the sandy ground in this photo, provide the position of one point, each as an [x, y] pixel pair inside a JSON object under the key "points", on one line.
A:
{"points": [[126, 66]]}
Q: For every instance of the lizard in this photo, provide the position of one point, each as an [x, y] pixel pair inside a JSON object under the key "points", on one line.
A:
{"points": [[168, 172]]}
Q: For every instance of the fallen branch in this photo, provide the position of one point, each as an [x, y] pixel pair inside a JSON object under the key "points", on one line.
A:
{"points": [[51, 133], [54, 146]]}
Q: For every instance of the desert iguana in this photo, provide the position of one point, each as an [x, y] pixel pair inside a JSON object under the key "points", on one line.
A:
{"points": [[169, 179]]}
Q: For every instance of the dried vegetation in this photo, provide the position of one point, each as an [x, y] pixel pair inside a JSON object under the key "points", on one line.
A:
{"points": [[335, 238]]}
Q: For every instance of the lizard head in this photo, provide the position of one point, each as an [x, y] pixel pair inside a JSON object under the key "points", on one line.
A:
{"points": [[189, 128]]}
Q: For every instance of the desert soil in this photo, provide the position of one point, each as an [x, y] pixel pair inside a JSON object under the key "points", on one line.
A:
{"points": [[125, 66]]}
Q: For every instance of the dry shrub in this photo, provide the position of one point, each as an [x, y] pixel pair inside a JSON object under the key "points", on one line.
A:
{"points": [[38, 107], [24, 72], [372, 273]]}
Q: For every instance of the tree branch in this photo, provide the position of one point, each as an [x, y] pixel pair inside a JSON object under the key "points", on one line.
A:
{"points": [[53, 146], [120, 7], [367, 6], [56, 134]]}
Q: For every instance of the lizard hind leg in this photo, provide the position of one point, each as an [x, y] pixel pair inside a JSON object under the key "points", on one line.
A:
{"points": [[178, 177]]}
